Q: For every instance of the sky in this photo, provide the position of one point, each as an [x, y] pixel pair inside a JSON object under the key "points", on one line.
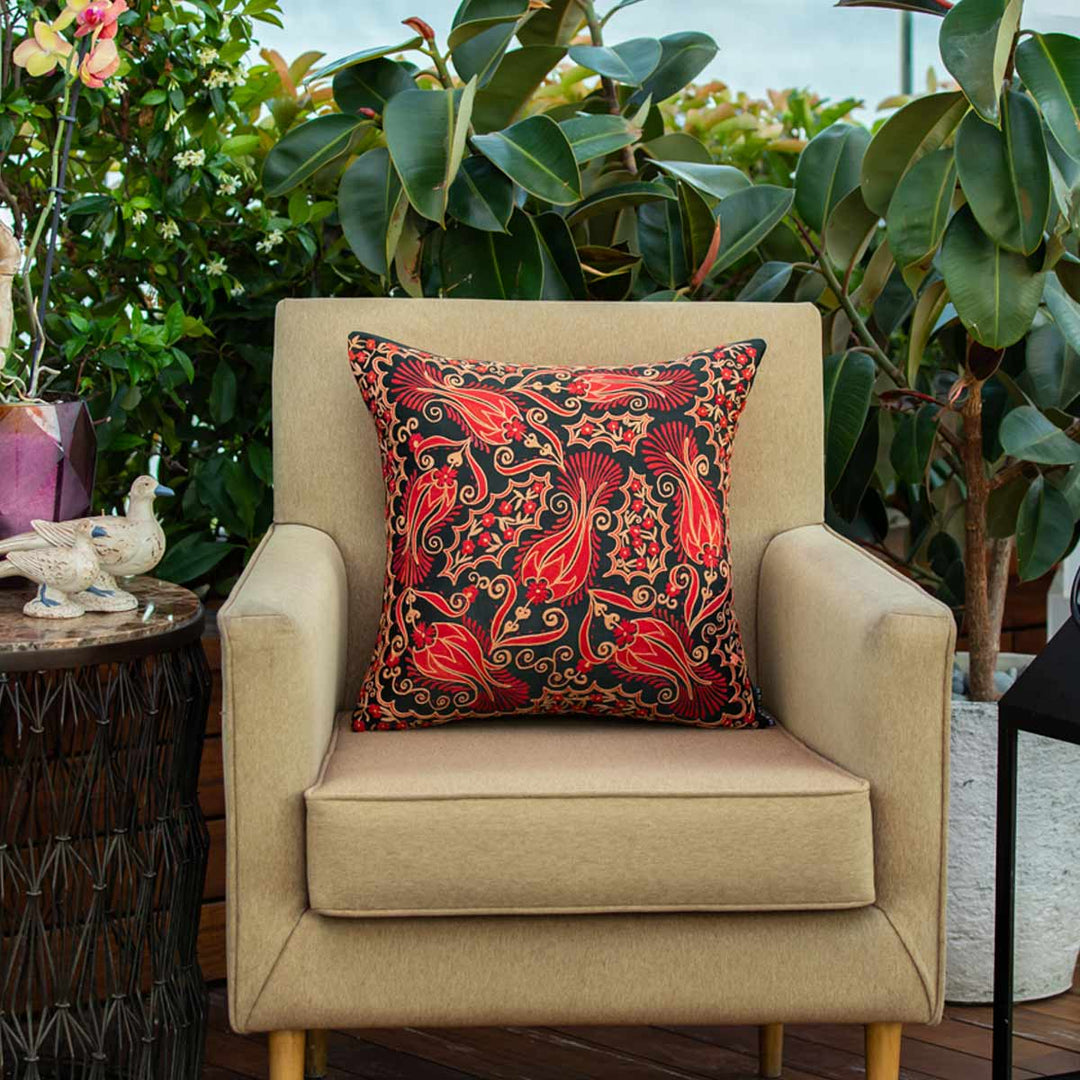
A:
{"points": [[764, 44]]}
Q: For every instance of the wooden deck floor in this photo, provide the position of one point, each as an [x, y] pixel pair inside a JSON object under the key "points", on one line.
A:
{"points": [[1048, 1042]]}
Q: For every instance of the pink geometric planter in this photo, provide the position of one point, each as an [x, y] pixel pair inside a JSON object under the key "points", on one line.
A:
{"points": [[47, 459]]}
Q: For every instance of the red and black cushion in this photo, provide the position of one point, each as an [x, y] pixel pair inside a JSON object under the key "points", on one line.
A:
{"points": [[556, 538]]}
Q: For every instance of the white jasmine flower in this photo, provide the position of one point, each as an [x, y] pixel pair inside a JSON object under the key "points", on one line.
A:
{"points": [[216, 267], [138, 218], [270, 241], [237, 78], [169, 229], [238, 289], [229, 185], [217, 79], [206, 55], [188, 159]]}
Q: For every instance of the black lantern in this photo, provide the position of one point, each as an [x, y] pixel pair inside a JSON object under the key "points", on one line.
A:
{"points": [[1044, 700]]}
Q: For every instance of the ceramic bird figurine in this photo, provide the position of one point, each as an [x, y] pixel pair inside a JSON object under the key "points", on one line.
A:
{"points": [[62, 573], [133, 544]]}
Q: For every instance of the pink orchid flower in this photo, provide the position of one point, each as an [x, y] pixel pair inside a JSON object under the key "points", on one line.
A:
{"points": [[46, 47], [99, 63], [97, 17]]}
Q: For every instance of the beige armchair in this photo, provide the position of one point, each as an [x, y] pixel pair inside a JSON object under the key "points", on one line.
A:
{"points": [[566, 871]]}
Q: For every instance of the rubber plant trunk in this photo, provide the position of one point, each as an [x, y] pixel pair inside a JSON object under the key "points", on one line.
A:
{"points": [[48, 450]]}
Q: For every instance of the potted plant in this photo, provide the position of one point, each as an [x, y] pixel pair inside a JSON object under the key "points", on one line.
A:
{"points": [[951, 389], [47, 442]]}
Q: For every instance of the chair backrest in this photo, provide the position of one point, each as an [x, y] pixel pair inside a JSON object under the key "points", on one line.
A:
{"points": [[326, 460]]}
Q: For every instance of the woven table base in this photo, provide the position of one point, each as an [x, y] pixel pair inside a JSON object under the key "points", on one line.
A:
{"points": [[102, 861]]}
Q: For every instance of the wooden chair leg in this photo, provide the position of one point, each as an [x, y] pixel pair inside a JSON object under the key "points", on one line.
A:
{"points": [[771, 1050], [286, 1055], [883, 1051], [315, 1059]]}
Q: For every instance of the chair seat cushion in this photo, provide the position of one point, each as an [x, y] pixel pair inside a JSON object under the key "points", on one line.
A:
{"points": [[545, 816]]}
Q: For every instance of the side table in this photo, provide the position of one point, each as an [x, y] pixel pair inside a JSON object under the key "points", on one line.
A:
{"points": [[1044, 700], [103, 845]]}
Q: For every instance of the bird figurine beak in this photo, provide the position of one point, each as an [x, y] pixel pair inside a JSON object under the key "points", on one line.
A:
{"points": [[161, 489], [97, 531]]}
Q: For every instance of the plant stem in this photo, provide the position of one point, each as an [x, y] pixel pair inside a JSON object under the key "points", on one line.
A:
{"points": [[61, 151], [1000, 561], [440, 66], [983, 634], [596, 35], [851, 311]]}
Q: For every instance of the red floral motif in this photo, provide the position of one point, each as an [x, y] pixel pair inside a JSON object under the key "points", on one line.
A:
{"points": [[557, 539]]}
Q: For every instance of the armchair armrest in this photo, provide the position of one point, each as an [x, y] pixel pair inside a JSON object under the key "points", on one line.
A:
{"points": [[284, 637], [856, 660]]}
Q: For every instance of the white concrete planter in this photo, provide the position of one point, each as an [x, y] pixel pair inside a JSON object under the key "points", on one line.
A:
{"points": [[1048, 858]]}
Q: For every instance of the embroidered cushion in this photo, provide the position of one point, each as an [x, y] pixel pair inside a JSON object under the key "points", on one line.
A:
{"points": [[556, 539]]}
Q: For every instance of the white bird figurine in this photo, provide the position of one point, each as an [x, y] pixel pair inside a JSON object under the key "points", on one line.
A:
{"points": [[60, 572], [131, 544]]}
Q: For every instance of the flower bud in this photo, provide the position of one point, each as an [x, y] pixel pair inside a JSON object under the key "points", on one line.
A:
{"points": [[369, 114], [420, 27]]}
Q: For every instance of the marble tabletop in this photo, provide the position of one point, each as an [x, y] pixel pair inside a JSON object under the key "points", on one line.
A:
{"points": [[163, 608]]}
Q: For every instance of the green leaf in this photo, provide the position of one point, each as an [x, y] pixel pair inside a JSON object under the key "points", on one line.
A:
{"points": [[261, 461], [425, 132], [697, 223], [1065, 309], [926, 7], [849, 386], [746, 217], [1068, 274], [192, 557], [847, 495], [919, 212], [769, 281], [660, 240], [370, 85], [913, 444], [493, 266], [362, 57], [1052, 367], [678, 146], [563, 278], [558, 24], [996, 292], [630, 62], [481, 196], [976, 39], [240, 145], [609, 272], [683, 57], [222, 393], [1003, 508], [482, 32], [592, 135], [174, 323], [536, 155], [1027, 434], [918, 129], [153, 97], [90, 204], [305, 150], [371, 206], [927, 312], [618, 197], [513, 83], [1069, 486], [828, 169], [1005, 174], [849, 229], [1049, 64], [716, 181], [1044, 529]]}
